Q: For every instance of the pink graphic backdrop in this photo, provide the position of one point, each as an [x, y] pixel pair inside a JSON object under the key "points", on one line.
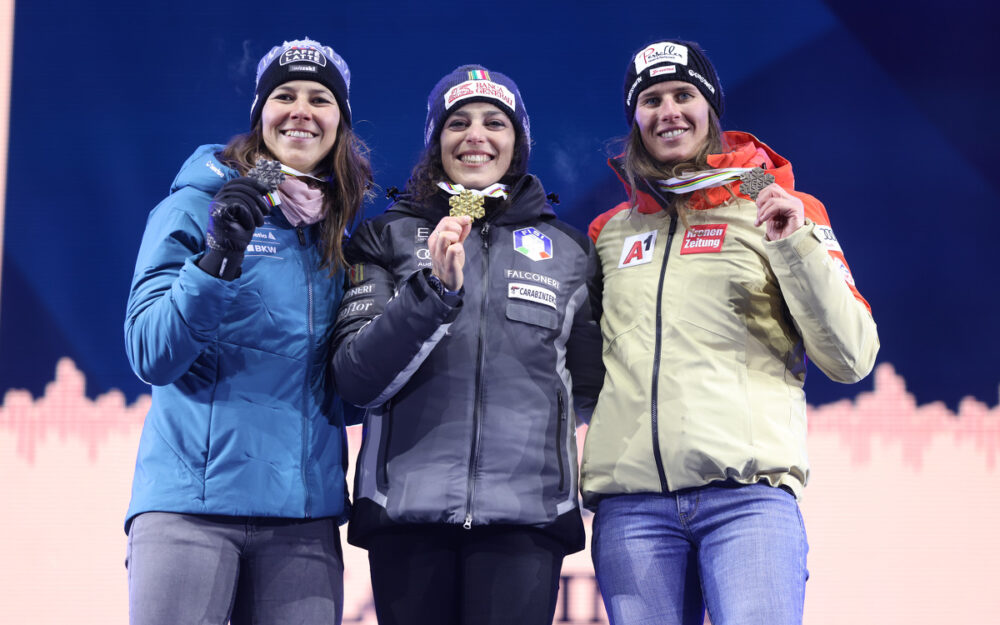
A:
{"points": [[902, 511]]}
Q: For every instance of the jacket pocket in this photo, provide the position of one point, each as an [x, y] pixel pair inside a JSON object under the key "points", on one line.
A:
{"points": [[535, 314], [382, 471], [560, 439]]}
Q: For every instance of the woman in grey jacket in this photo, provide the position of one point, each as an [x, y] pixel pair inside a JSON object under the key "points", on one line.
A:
{"points": [[469, 332]]}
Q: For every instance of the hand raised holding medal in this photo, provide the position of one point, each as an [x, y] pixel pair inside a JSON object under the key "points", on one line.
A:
{"points": [[445, 244], [782, 212]]}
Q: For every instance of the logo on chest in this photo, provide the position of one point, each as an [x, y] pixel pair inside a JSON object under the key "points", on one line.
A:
{"points": [[264, 243], [637, 249], [533, 244], [704, 239]]}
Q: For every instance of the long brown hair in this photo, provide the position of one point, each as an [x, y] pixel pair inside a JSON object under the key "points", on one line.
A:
{"points": [[350, 181], [639, 163]]}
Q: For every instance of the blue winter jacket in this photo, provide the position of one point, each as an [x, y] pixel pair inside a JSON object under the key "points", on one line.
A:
{"points": [[244, 421]]}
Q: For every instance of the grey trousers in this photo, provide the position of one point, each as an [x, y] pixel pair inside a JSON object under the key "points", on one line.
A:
{"points": [[188, 569]]}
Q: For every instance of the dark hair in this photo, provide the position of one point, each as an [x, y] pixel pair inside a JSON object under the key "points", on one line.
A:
{"points": [[347, 167], [429, 169], [639, 163]]}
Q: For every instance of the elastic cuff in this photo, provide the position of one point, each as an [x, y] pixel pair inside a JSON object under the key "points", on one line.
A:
{"points": [[225, 265]]}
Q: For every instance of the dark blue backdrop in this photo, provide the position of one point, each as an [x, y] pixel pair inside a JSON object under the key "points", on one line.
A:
{"points": [[885, 112]]}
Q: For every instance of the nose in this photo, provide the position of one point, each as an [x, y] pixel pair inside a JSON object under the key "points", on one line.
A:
{"points": [[475, 133], [668, 109], [301, 109]]}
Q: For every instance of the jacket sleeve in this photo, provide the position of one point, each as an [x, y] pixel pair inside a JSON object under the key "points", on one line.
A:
{"points": [[833, 318], [584, 357], [174, 308], [383, 331]]}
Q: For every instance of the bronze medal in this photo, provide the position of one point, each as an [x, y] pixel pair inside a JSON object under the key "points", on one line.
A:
{"points": [[754, 181], [467, 203]]}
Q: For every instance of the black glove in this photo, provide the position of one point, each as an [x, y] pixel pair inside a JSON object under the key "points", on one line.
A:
{"points": [[236, 211]]}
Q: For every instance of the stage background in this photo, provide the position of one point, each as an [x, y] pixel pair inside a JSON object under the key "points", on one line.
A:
{"points": [[884, 109]]}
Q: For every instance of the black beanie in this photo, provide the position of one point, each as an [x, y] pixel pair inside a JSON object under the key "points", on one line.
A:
{"points": [[671, 60], [302, 59]]}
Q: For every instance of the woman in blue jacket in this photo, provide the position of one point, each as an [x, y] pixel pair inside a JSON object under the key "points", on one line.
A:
{"points": [[239, 482], [470, 333]]}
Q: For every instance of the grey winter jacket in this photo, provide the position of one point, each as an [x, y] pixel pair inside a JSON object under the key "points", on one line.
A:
{"points": [[472, 399]]}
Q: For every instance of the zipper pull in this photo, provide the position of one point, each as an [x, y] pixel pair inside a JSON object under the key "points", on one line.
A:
{"points": [[302, 236], [485, 233], [468, 521]]}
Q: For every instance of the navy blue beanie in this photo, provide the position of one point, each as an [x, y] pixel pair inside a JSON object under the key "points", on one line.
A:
{"points": [[474, 83], [302, 59], [671, 60]]}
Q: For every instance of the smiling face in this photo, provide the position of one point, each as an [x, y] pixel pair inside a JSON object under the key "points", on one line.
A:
{"points": [[299, 123], [673, 120], [477, 145]]}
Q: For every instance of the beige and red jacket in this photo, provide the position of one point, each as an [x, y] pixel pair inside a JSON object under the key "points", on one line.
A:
{"points": [[706, 330]]}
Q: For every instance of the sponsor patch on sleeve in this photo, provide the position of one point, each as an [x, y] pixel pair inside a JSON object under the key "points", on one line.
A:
{"points": [[827, 238], [704, 239], [638, 249], [531, 293], [844, 270]]}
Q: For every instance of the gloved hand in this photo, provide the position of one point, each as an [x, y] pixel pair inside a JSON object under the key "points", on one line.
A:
{"points": [[236, 211]]}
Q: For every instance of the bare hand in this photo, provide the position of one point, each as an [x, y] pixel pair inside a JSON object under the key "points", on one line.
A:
{"points": [[780, 210], [447, 252]]}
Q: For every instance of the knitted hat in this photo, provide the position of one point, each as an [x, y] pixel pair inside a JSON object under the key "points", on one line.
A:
{"points": [[474, 83], [302, 59], [671, 60]]}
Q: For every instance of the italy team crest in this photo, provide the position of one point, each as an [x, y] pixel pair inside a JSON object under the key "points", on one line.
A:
{"points": [[533, 244]]}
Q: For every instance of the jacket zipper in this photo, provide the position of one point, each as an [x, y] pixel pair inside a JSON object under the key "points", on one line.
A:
{"points": [[560, 428], [477, 416], [305, 384], [658, 344]]}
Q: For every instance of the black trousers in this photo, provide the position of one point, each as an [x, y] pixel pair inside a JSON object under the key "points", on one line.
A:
{"points": [[447, 575]]}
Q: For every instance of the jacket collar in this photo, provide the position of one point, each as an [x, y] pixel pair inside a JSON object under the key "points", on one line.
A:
{"points": [[742, 150]]}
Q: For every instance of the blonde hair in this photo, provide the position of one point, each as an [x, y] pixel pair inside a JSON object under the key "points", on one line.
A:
{"points": [[639, 163]]}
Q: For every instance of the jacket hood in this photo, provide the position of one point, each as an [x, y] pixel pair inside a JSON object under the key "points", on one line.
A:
{"points": [[203, 171]]}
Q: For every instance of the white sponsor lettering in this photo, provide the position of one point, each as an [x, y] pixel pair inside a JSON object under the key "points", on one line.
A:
{"points": [[308, 53], [423, 233], [534, 277], [262, 249], [707, 84], [662, 52], [218, 172], [356, 308], [363, 289], [531, 293]]}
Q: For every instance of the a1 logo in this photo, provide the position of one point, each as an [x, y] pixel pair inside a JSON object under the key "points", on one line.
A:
{"points": [[638, 249]]}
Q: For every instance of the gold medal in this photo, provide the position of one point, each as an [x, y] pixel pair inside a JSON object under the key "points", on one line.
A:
{"points": [[467, 203]]}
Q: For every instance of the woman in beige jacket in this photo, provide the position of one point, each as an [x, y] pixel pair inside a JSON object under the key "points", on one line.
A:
{"points": [[719, 279]]}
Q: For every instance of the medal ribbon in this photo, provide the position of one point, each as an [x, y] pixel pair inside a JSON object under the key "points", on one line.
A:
{"points": [[471, 201], [702, 179], [496, 189]]}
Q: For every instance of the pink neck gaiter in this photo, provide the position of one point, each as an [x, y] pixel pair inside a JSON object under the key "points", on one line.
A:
{"points": [[300, 203]]}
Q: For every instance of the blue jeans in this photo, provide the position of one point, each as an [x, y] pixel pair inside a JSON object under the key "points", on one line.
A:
{"points": [[191, 569], [738, 550]]}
